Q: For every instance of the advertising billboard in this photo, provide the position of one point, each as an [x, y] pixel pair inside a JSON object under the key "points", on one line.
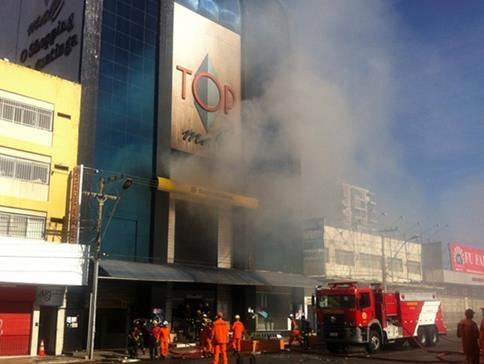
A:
{"points": [[44, 35], [206, 84], [467, 259]]}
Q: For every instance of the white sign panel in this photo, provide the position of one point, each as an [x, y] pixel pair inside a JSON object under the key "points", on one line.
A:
{"points": [[47, 35]]}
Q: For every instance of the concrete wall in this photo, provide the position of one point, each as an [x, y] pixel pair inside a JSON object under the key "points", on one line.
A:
{"points": [[349, 254], [59, 145]]}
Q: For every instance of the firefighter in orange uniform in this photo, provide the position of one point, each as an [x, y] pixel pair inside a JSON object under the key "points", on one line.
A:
{"points": [[469, 333], [237, 330], [220, 335], [295, 333], [481, 336], [164, 338], [205, 338]]}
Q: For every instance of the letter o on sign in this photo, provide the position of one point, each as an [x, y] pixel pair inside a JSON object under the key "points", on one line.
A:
{"points": [[204, 106]]}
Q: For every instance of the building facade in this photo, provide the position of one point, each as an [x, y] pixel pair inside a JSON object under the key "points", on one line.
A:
{"points": [[163, 89], [39, 121]]}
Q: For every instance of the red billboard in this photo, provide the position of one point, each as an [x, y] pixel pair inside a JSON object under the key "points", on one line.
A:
{"points": [[464, 258]]}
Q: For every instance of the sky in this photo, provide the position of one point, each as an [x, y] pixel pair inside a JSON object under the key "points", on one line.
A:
{"points": [[392, 100]]}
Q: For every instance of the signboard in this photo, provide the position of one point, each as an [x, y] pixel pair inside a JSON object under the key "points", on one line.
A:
{"points": [[46, 35], [50, 296], [206, 85], [75, 204], [466, 258]]}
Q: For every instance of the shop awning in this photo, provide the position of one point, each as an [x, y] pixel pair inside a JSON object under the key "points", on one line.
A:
{"points": [[122, 270]]}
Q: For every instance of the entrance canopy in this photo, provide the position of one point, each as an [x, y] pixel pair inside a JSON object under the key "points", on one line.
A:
{"points": [[122, 270], [203, 193]]}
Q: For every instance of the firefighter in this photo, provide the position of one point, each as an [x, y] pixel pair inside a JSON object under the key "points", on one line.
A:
{"points": [[295, 334], [481, 336], [164, 339], [220, 334], [238, 329], [305, 330], [469, 333], [205, 338], [134, 340], [155, 339]]}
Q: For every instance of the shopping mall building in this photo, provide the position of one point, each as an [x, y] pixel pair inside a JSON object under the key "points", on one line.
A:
{"points": [[209, 222]]}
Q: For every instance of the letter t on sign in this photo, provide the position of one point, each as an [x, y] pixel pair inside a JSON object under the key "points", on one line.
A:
{"points": [[185, 72]]}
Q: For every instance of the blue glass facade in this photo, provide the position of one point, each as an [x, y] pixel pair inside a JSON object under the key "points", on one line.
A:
{"points": [[224, 12], [125, 126]]}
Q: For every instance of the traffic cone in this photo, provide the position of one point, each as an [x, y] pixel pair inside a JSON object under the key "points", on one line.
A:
{"points": [[41, 349]]}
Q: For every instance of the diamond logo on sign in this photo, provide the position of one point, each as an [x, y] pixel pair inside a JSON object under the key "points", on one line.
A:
{"points": [[207, 90]]}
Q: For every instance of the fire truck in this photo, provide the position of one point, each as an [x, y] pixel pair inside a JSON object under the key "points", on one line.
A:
{"points": [[348, 314]]}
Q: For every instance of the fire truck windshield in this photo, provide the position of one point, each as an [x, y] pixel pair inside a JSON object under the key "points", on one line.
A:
{"points": [[336, 301]]}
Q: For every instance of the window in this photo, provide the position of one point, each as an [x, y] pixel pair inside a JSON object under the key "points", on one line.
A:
{"points": [[395, 264], [413, 267], [365, 300], [24, 169], [22, 226], [24, 114], [344, 257], [336, 301], [370, 261]]}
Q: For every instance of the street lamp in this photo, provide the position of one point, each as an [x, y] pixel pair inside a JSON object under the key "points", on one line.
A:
{"points": [[101, 199]]}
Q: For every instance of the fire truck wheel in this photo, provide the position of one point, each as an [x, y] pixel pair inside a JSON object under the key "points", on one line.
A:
{"points": [[432, 336], [374, 345], [422, 336]]}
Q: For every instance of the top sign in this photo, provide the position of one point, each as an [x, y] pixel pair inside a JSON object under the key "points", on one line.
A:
{"points": [[206, 84], [466, 258]]}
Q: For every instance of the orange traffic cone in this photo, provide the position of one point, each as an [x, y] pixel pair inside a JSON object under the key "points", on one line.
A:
{"points": [[41, 348]]}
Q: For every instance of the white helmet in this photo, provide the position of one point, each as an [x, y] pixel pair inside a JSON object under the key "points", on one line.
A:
{"points": [[291, 315], [165, 323], [237, 317]]}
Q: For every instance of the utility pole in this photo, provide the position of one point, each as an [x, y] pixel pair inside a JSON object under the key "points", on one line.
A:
{"points": [[101, 199]]}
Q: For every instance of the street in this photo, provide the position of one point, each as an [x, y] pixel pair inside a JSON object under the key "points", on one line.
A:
{"points": [[355, 355]]}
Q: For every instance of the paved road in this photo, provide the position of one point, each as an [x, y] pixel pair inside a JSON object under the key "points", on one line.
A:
{"points": [[356, 356]]}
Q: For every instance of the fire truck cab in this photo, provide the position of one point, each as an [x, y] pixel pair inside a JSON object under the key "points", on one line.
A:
{"points": [[351, 315]]}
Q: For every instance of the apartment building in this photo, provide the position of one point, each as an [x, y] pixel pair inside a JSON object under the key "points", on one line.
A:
{"points": [[39, 122]]}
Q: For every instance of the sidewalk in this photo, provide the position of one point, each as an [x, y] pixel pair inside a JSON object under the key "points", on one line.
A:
{"points": [[78, 357]]}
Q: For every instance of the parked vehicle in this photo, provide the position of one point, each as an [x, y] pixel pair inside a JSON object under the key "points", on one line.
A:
{"points": [[351, 315]]}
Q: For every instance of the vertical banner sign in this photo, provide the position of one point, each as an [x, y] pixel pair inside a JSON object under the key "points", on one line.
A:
{"points": [[466, 258], [75, 204], [206, 85]]}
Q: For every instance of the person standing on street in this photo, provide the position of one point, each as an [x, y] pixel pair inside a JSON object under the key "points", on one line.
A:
{"points": [[220, 334], [481, 336], [164, 340], [305, 330], [238, 329], [295, 333], [155, 339], [469, 333]]}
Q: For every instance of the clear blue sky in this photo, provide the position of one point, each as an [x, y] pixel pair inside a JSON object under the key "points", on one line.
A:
{"points": [[440, 112]]}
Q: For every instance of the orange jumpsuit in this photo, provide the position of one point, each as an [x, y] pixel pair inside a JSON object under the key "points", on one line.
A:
{"points": [[164, 339], [205, 341], [469, 333], [238, 330], [220, 334], [481, 338], [295, 333]]}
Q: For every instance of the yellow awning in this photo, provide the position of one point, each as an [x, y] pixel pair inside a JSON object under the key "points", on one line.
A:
{"points": [[203, 193]]}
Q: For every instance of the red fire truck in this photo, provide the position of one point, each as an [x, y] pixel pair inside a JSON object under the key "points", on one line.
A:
{"points": [[350, 315]]}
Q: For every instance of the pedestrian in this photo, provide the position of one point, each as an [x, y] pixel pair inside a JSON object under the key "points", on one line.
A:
{"points": [[481, 336], [469, 333], [238, 329], [164, 339], [306, 331], [220, 335], [134, 339], [295, 333], [155, 339]]}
